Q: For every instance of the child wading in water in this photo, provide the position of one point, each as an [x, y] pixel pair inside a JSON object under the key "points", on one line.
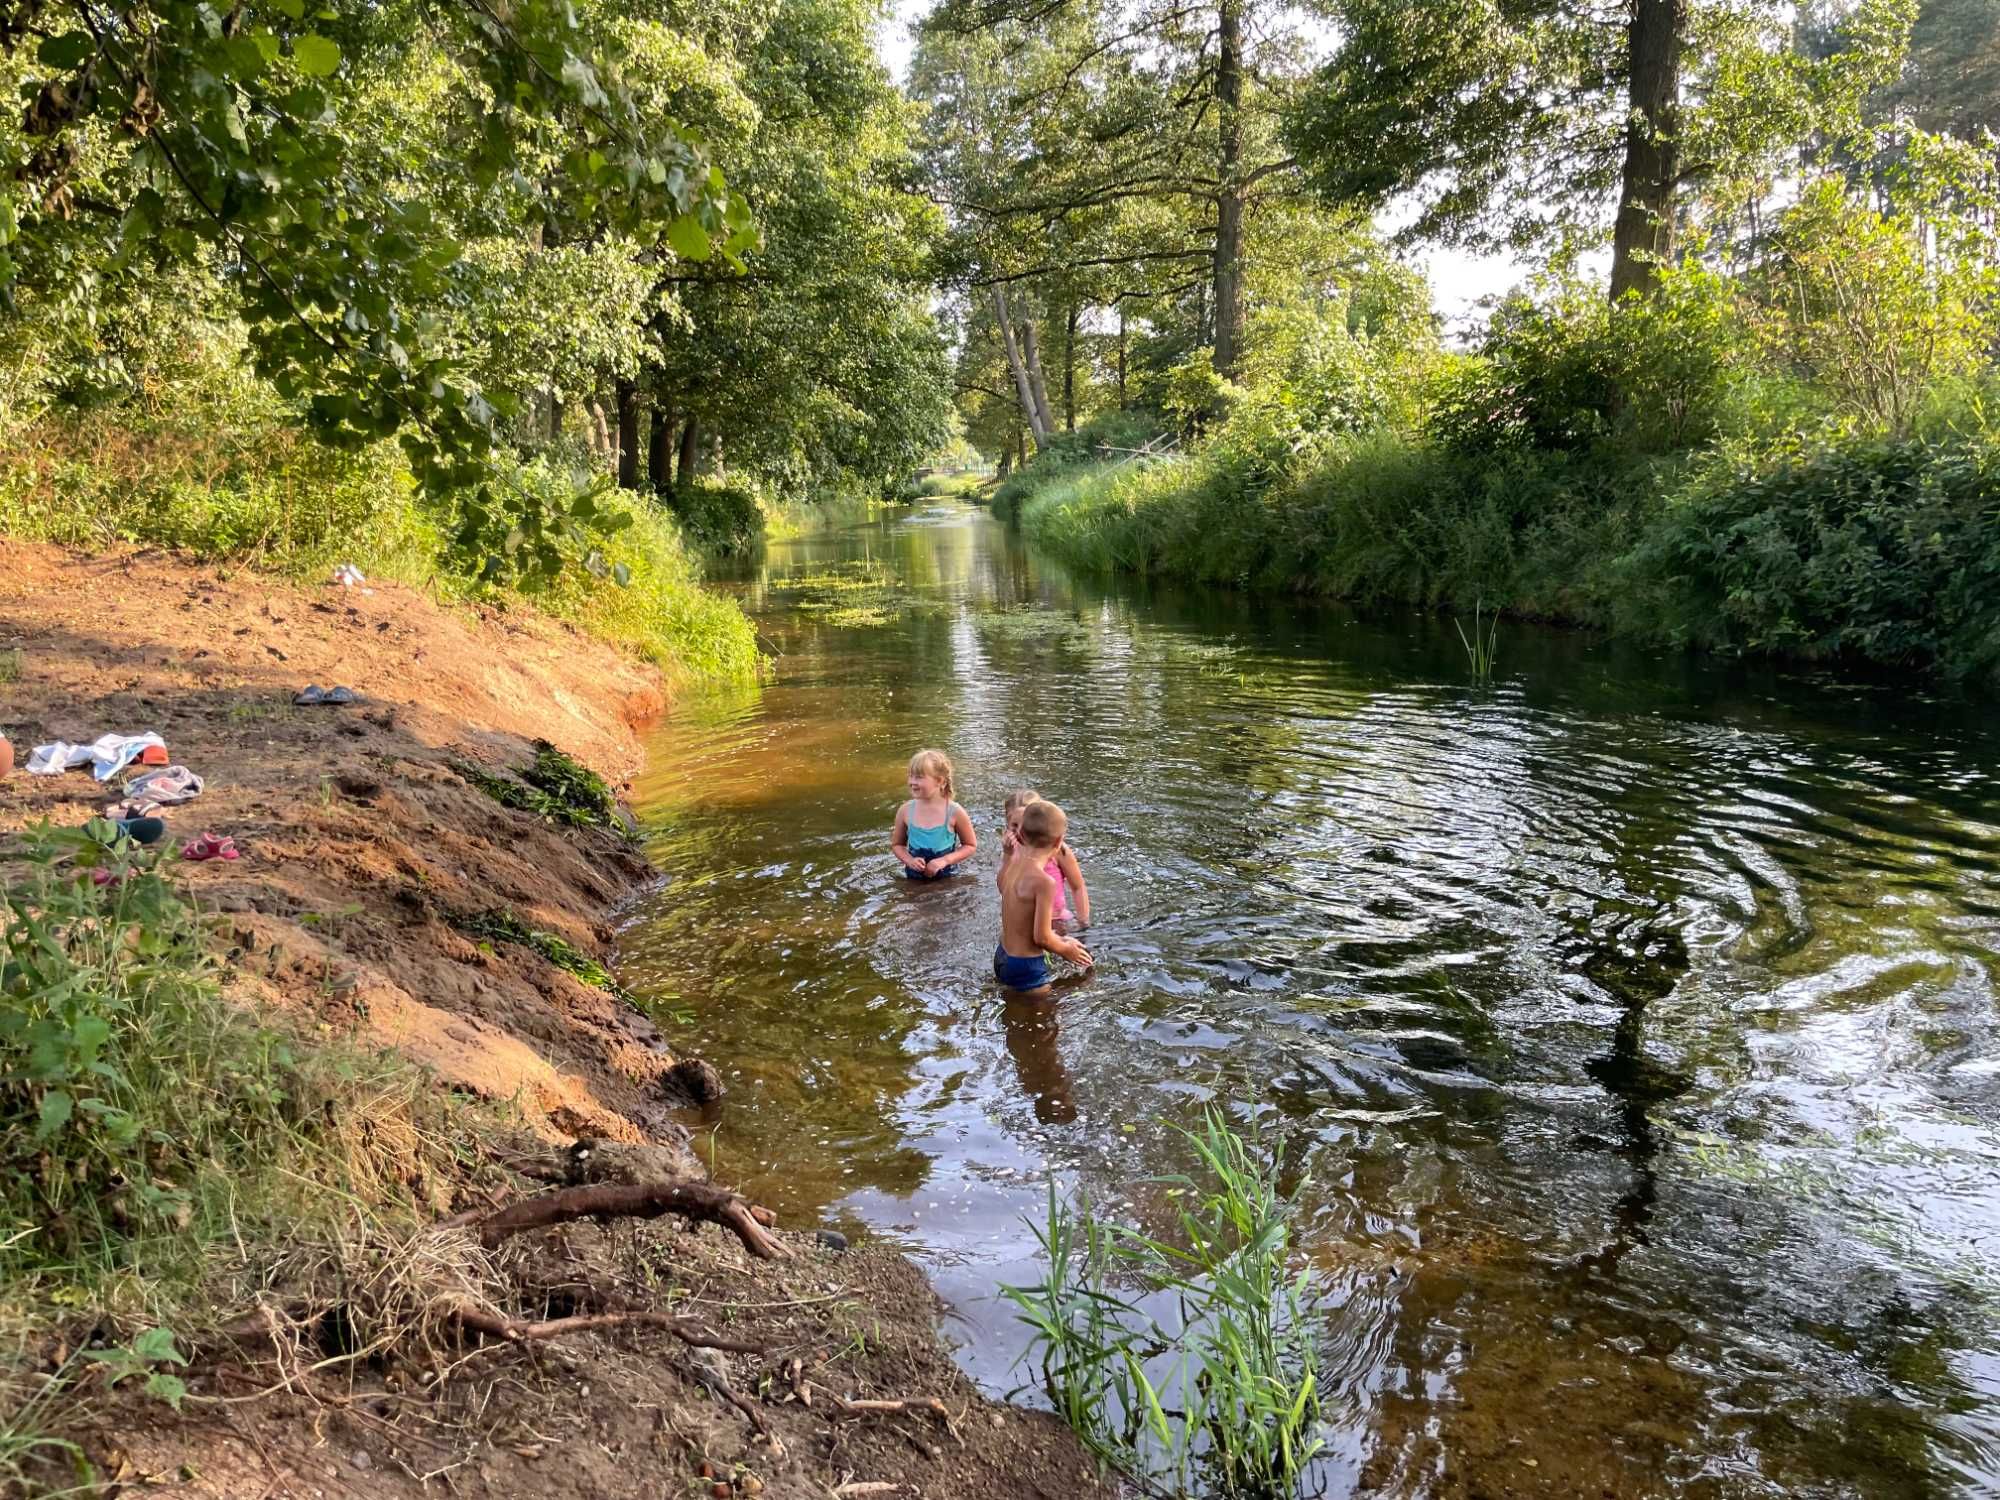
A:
{"points": [[1063, 869], [1027, 906], [933, 833]]}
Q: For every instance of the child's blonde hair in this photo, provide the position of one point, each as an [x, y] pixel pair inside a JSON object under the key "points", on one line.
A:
{"points": [[1043, 824], [1019, 798], [934, 763]]}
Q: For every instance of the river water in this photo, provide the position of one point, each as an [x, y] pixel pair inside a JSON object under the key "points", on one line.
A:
{"points": [[1627, 1026]]}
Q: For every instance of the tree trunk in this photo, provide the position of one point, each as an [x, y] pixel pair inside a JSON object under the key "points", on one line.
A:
{"points": [[1031, 355], [1069, 370], [690, 451], [628, 435], [1121, 356], [1229, 194], [1016, 364], [1645, 226], [555, 414], [660, 447]]}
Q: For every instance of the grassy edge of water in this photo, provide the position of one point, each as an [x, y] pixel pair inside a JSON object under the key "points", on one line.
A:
{"points": [[247, 491], [1866, 551]]}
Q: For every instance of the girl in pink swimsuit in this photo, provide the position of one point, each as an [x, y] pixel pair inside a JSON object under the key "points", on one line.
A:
{"points": [[1063, 868]]}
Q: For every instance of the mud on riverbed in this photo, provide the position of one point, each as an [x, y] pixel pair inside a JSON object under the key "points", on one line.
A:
{"points": [[365, 849]]}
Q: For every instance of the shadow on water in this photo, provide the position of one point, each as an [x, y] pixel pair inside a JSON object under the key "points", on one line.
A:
{"points": [[1626, 1029]]}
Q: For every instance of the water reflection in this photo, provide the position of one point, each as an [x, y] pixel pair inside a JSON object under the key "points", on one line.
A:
{"points": [[1631, 1024]]}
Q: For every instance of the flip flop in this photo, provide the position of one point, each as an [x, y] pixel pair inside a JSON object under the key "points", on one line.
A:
{"points": [[209, 846], [341, 695], [101, 876], [312, 695]]}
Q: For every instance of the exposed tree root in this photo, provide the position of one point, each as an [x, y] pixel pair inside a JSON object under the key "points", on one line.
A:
{"points": [[700, 1201], [494, 1325]]}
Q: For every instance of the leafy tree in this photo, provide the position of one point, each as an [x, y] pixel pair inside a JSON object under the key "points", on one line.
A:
{"points": [[171, 133], [1519, 123]]}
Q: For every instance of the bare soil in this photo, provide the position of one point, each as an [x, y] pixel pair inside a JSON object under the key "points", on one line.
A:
{"points": [[361, 847]]}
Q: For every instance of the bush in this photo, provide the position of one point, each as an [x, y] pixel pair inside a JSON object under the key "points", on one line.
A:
{"points": [[717, 516], [1878, 549], [226, 476]]}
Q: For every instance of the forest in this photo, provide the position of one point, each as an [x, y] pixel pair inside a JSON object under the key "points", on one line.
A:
{"points": [[475, 292]]}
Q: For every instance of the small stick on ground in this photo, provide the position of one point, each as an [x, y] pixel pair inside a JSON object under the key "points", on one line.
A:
{"points": [[493, 1325], [699, 1201], [875, 1407]]}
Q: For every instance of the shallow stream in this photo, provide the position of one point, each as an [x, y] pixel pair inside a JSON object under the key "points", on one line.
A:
{"points": [[1630, 1022]]}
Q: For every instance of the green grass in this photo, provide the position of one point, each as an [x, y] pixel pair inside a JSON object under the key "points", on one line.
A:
{"points": [[1225, 1398], [504, 926], [555, 786], [164, 1158], [1862, 549], [235, 482]]}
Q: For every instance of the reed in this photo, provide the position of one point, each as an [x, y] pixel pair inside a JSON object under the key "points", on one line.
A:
{"points": [[1199, 1373], [1483, 645]]}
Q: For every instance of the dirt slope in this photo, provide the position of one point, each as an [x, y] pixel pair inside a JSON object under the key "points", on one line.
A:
{"points": [[361, 845], [359, 841]]}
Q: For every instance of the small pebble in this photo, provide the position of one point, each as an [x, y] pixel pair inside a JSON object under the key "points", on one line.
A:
{"points": [[361, 1461], [998, 1420]]}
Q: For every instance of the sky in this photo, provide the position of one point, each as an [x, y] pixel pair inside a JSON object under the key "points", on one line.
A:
{"points": [[1460, 280]]}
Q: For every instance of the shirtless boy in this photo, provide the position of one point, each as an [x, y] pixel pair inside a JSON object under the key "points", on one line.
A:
{"points": [[1027, 906]]}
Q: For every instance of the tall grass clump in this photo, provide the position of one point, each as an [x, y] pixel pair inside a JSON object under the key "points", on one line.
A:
{"points": [[164, 1158], [1223, 1395]]}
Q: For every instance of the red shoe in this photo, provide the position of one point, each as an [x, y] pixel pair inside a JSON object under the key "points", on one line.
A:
{"points": [[209, 846]]}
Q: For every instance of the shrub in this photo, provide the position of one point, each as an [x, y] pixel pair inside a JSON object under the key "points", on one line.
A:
{"points": [[718, 516], [1881, 549]]}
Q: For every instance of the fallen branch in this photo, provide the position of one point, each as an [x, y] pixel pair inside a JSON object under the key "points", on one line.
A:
{"points": [[495, 1325], [645, 1200]]}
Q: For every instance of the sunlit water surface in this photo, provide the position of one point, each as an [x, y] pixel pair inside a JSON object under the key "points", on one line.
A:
{"points": [[1631, 1022]]}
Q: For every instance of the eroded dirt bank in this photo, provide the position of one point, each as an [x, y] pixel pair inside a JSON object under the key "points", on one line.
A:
{"points": [[366, 854]]}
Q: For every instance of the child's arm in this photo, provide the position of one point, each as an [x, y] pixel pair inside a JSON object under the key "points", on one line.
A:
{"points": [[1046, 935], [968, 841], [899, 841], [1073, 873]]}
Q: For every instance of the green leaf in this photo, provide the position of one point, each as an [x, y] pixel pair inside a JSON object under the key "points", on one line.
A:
{"points": [[65, 51], [316, 56], [293, 10], [156, 1346], [688, 238], [167, 1388], [55, 1112]]}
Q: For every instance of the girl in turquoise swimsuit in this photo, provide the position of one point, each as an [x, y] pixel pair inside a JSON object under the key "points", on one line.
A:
{"points": [[933, 834]]}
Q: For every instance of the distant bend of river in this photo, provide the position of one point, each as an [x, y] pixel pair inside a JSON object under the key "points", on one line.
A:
{"points": [[1629, 1023]]}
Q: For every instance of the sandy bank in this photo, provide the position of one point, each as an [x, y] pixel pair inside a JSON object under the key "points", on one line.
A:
{"points": [[365, 851]]}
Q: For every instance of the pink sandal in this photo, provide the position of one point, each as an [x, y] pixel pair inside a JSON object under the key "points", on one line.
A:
{"points": [[209, 846]]}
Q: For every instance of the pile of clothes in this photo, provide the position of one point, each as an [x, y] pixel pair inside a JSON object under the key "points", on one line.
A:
{"points": [[160, 784]]}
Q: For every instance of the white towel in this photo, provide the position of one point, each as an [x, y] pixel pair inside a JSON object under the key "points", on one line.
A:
{"points": [[106, 755]]}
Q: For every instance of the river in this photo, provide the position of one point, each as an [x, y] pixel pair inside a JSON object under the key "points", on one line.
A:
{"points": [[1627, 1025]]}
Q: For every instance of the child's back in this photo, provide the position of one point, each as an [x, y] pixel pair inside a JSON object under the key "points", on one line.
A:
{"points": [[1027, 905]]}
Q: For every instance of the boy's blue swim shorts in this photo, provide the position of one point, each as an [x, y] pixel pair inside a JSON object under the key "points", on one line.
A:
{"points": [[1019, 973]]}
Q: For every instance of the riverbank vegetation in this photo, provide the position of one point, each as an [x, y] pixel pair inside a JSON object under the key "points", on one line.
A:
{"points": [[515, 307], [1764, 421]]}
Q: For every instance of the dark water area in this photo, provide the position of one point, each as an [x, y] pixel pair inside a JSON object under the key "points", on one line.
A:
{"points": [[1627, 1026]]}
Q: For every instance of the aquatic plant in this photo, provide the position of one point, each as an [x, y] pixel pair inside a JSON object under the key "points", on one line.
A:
{"points": [[1483, 645], [557, 787], [1227, 1398]]}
